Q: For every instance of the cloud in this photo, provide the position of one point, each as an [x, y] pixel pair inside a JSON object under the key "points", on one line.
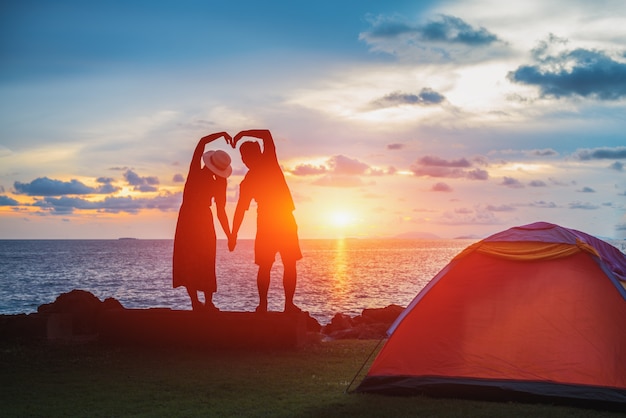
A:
{"points": [[543, 204], [578, 72], [586, 190], [342, 165], [443, 29], [585, 206], [425, 97], [395, 146], [141, 184], [337, 165], [107, 187], [477, 174], [501, 208], [512, 183], [308, 170], [441, 187], [547, 152], [44, 186], [178, 178], [433, 166], [466, 216], [339, 171], [443, 38], [67, 205], [8, 201], [537, 183], [604, 153], [617, 166], [440, 162]]}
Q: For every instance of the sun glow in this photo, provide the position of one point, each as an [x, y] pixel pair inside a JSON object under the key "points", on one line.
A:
{"points": [[341, 219]]}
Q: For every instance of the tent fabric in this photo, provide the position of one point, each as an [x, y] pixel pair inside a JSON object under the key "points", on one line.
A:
{"points": [[535, 310]]}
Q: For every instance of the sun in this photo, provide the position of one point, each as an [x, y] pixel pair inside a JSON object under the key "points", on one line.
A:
{"points": [[341, 219]]}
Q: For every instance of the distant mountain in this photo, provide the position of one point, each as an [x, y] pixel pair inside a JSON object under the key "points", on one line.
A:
{"points": [[417, 235], [476, 237]]}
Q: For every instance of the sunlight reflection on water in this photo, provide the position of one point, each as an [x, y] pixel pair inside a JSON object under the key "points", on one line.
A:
{"points": [[334, 276]]}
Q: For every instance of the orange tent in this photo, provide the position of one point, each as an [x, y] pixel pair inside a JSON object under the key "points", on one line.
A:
{"points": [[536, 310]]}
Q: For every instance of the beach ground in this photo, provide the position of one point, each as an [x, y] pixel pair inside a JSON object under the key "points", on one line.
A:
{"points": [[91, 379]]}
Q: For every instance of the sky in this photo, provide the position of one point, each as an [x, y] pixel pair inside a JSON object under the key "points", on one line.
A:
{"points": [[391, 118]]}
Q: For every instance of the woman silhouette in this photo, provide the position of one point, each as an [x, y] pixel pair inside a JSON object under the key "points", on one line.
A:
{"points": [[195, 239]]}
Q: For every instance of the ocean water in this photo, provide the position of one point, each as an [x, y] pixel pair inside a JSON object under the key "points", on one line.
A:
{"points": [[343, 275]]}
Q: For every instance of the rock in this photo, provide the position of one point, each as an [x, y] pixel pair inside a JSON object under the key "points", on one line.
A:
{"points": [[82, 307], [312, 324], [371, 324], [340, 322], [382, 315], [111, 303]]}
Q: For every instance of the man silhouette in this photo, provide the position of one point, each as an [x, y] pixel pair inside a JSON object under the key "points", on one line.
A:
{"points": [[277, 231]]}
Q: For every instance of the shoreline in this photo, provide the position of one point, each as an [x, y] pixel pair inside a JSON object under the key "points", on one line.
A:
{"points": [[79, 316]]}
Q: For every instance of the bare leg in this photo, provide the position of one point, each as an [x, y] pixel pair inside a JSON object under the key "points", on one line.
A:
{"points": [[263, 284], [195, 302], [289, 283], [208, 302]]}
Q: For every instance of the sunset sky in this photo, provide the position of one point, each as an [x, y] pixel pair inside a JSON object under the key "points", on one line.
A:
{"points": [[451, 118]]}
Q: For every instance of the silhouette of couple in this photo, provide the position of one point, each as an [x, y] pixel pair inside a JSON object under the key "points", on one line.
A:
{"points": [[277, 232]]}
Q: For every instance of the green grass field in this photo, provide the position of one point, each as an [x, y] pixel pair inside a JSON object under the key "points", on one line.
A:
{"points": [[90, 380]]}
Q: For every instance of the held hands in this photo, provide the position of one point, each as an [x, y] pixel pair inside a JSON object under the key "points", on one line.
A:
{"points": [[232, 242]]}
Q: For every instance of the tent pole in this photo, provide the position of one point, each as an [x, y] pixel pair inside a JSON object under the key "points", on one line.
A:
{"points": [[363, 365]]}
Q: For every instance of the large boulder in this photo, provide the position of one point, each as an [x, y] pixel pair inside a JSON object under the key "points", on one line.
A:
{"points": [[82, 308]]}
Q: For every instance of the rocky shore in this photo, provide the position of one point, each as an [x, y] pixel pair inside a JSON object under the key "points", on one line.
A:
{"points": [[81, 316]]}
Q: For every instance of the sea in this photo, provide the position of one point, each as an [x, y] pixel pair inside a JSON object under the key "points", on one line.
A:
{"points": [[334, 275]]}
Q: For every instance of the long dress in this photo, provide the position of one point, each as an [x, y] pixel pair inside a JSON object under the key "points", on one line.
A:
{"points": [[195, 239]]}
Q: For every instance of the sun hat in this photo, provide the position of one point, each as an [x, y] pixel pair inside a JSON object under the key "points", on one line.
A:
{"points": [[218, 162]]}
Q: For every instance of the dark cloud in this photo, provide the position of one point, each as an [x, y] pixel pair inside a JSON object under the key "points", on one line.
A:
{"points": [[8, 201], [395, 146], [586, 190], [178, 178], [44, 186], [615, 153], [512, 183], [477, 174], [66, 205], [433, 166], [441, 187], [537, 183], [584, 206], [578, 72], [443, 29], [141, 184], [433, 161], [617, 166], [107, 186], [425, 97], [548, 152], [544, 204]]}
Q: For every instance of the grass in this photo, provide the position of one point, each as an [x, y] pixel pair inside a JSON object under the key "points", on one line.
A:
{"points": [[97, 381]]}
